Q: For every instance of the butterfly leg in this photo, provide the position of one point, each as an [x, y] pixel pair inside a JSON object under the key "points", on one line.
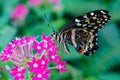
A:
{"points": [[65, 47]]}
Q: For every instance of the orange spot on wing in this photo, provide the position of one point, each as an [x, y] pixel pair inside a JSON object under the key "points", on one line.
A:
{"points": [[81, 50]]}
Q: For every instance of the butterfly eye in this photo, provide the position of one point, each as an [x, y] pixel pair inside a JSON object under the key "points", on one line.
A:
{"points": [[53, 34]]}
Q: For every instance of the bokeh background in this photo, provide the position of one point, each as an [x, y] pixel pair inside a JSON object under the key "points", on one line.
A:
{"points": [[103, 65]]}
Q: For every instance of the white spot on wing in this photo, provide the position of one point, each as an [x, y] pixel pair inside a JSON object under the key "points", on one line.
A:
{"points": [[96, 39], [96, 43], [103, 22], [78, 24], [106, 19], [102, 12], [91, 13], [96, 34], [92, 30], [85, 16], [84, 25], [95, 27], [77, 20]]}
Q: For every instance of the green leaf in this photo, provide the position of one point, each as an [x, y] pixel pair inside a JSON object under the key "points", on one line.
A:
{"points": [[7, 33]]}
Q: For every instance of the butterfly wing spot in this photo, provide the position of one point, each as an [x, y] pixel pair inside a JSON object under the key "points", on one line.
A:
{"points": [[95, 27], [91, 13], [105, 16], [77, 20], [96, 43], [94, 18], [103, 12], [84, 25], [106, 19], [88, 21], [92, 30], [91, 45], [85, 16], [81, 50], [78, 24], [98, 22], [103, 22], [92, 23]]}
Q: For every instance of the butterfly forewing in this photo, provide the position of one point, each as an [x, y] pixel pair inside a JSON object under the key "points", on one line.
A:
{"points": [[93, 21]]}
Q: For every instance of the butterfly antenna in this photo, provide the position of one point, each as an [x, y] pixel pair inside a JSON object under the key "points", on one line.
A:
{"points": [[49, 23]]}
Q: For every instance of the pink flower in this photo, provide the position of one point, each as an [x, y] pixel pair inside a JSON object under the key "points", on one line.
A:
{"points": [[38, 46], [42, 75], [60, 66], [55, 1], [18, 72], [19, 12], [38, 65], [34, 2], [6, 54], [46, 38], [48, 43], [28, 38]]}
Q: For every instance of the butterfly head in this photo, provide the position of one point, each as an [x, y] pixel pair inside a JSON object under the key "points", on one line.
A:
{"points": [[54, 35]]}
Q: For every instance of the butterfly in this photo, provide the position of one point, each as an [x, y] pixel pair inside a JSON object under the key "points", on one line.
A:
{"points": [[82, 31]]}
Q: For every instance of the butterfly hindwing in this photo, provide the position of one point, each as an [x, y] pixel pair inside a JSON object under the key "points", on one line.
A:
{"points": [[85, 41]]}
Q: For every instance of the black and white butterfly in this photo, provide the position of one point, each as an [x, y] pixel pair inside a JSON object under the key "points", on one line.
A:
{"points": [[82, 32]]}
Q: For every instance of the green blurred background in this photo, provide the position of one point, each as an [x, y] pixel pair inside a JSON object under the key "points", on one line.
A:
{"points": [[103, 65]]}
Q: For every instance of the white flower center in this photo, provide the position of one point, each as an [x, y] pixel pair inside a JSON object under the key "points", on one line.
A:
{"points": [[53, 57], [45, 40], [51, 49], [60, 67], [38, 47], [19, 69], [43, 62], [13, 45], [39, 75], [35, 65]]}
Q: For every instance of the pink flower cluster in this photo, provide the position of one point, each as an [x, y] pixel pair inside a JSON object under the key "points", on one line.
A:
{"points": [[19, 12], [28, 53], [34, 2]]}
